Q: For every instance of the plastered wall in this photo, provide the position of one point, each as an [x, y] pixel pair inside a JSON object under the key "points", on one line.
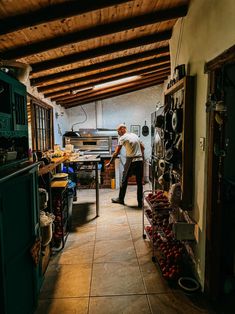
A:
{"points": [[207, 31], [133, 108]]}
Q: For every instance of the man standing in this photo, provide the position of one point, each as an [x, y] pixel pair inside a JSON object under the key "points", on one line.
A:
{"points": [[134, 163]]}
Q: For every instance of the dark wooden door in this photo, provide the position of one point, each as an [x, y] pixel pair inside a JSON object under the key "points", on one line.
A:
{"points": [[220, 218]]}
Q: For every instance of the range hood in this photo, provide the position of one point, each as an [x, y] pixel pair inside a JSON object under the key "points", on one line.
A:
{"points": [[71, 134]]}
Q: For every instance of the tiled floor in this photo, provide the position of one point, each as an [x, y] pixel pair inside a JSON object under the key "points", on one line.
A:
{"points": [[106, 267]]}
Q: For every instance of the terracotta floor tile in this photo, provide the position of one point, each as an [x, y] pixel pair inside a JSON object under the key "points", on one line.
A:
{"points": [[113, 231], [116, 279], [82, 236], [114, 251], [63, 306], [106, 266], [76, 252], [171, 304], [67, 281], [112, 218], [119, 304]]}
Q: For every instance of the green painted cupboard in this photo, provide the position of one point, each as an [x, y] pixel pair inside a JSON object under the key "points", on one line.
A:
{"points": [[20, 273]]}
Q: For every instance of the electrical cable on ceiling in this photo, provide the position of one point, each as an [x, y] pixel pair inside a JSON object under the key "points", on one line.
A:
{"points": [[85, 119]]}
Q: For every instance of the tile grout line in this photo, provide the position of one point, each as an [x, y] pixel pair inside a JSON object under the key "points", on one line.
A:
{"points": [[92, 265], [146, 292]]}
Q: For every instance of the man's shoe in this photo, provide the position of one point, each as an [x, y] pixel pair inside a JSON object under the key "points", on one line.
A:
{"points": [[117, 200], [139, 205]]}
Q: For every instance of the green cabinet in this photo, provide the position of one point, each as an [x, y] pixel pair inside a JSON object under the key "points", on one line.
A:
{"points": [[13, 121], [13, 109], [19, 230]]}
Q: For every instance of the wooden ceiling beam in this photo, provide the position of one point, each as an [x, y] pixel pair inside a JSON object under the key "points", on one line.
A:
{"points": [[53, 12], [98, 66], [116, 93], [67, 92], [163, 68], [71, 98], [118, 70], [96, 92], [94, 32], [100, 51], [89, 93]]}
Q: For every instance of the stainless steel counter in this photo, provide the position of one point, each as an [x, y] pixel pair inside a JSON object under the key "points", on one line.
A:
{"points": [[94, 159]]}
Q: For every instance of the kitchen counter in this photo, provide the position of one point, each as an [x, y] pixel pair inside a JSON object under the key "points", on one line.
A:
{"points": [[55, 162], [84, 158], [94, 160]]}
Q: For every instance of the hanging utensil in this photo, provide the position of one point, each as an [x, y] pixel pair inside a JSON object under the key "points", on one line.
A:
{"points": [[145, 130], [159, 121], [168, 116], [177, 117]]}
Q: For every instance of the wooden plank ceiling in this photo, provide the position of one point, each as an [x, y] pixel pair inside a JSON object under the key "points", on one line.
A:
{"points": [[73, 46]]}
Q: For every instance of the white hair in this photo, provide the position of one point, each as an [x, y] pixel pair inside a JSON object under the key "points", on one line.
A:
{"points": [[121, 126]]}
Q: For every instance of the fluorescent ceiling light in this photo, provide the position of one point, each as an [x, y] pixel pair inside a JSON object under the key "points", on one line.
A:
{"points": [[117, 82], [75, 91]]}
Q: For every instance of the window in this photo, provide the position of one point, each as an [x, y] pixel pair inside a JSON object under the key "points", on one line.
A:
{"points": [[40, 119]]}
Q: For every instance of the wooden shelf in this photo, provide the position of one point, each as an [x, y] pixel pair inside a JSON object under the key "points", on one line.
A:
{"points": [[177, 86], [55, 162]]}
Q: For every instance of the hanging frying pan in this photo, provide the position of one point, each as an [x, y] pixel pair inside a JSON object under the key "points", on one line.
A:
{"points": [[177, 117], [159, 121], [162, 164], [145, 130], [172, 155]]}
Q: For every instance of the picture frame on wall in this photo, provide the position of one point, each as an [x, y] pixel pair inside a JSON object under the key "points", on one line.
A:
{"points": [[135, 129]]}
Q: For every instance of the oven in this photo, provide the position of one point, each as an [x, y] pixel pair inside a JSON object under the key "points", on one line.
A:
{"points": [[94, 141]]}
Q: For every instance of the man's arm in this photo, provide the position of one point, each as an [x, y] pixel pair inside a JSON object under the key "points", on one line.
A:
{"points": [[142, 149], [115, 154]]}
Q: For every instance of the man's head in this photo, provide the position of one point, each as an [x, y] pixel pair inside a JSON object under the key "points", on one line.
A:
{"points": [[121, 129]]}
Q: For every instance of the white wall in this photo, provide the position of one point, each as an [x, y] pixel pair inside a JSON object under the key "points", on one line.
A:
{"points": [[133, 108], [207, 31]]}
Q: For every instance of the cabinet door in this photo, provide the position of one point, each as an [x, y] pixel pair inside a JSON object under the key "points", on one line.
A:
{"points": [[5, 108], [18, 227], [19, 107]]}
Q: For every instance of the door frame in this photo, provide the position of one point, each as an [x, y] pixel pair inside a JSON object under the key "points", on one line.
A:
{"points": [[214, 205]]}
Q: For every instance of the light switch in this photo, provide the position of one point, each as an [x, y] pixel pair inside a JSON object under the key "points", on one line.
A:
{"points": [[202, 143]]}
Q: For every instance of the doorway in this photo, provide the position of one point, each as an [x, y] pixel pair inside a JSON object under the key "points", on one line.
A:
{"points": [[220, 218]]}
